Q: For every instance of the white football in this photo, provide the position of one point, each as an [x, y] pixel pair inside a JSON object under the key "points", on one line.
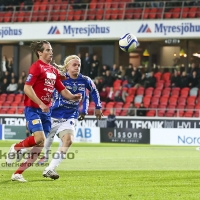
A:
{"points": [[128, 42]]}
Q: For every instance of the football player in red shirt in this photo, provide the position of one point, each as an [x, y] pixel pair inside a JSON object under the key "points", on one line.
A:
{"points": [[38, 89]]}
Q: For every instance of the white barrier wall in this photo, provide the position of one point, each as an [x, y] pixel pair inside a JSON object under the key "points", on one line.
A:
{"points": [[182, 137], [98, 30]]}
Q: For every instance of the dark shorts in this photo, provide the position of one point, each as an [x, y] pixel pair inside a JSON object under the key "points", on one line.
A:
{"points": [[37, 120]]}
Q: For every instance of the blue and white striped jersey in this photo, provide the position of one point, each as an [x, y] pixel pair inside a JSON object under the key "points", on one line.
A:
{"points": [[66, 109]]}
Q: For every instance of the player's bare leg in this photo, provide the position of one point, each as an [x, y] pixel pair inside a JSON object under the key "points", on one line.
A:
{"points": [[67, 138], [47, 146]]}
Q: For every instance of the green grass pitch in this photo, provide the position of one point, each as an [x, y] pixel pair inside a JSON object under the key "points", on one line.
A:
{"points": [[110, 171]]}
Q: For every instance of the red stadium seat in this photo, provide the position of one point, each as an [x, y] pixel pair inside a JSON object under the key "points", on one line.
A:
{"points": [[167, 84], [154, 102], [121, 14], [108, 4], [1, 16], [151, 113], [20, 111], [99, 14], [129, 13], [27, 16], [149, 91], [93, 5], [63, 15], [43, 16], [159, 85], [91, 14], [146, 12], [166, 76], [175, 92], [184, 92], [168, 15], [137, 13], [182, 101], [176, 12], [70, 15], [8, 16], [180, 109], [132, 91], [189, 111], [191, 100], [192, 12], [140, 91], [173, 101], [108, 13], [114, 14], [44, 6], [117, 83], [11, 111], [122, 5], [10, 97], [129, 98], [109, 105], [55, 15], [3, 110], [161, 110], [35, 16], [36, 6], [163, 100], [158, 76], [152, 13], [77, 15], [171, 109], [114, 5], [159, 13], [185, 12], [198, 12], [91, 108], [56, 7], [100, 5], [146, 101], [118, 107], [64, 6], [166, 92], [157, 92]]}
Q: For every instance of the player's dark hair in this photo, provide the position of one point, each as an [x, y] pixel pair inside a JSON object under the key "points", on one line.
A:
{"points": [[38, 46]]}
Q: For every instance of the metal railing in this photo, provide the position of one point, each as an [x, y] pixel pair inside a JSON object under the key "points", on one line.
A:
{"points": [[102, 11], [159, 112]]}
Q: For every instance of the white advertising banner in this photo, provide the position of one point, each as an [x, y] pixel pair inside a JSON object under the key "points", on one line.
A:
{"points": [[83, 134], [98, 30], [182, 137]]}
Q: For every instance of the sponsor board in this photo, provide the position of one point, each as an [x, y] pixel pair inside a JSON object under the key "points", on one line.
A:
{"points": [[144, 123], [115, 135], [14, 132], [88, 135], [121, 122], [182, 137], [1, 132], [143, 29]]}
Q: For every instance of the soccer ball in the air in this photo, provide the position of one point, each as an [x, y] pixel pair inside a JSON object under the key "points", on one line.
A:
{"points": [[128, 42]]}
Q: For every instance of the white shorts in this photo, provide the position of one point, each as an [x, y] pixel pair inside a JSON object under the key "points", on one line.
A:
{"points": [[59, 125]]}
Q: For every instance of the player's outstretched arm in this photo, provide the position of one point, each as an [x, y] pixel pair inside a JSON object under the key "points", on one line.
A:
{"points": [[28, 90], [68, 95]]}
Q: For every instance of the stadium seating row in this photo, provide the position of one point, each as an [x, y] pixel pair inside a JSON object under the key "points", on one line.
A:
{"points": [[96, 11], [161, 102]]}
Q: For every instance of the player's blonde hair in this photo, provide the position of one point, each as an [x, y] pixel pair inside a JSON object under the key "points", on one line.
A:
{"points": [[63, 68]]}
